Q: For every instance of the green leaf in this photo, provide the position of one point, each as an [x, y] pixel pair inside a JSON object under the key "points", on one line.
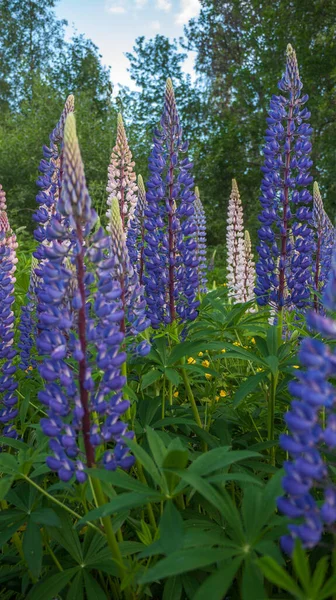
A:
{"points": [[24, 405], [93, 589], [51, 586], [76, 590], [121, 502], [32, 548], [146, 461], [328, 589], [172, 589], [182, 561], [45, 516], [8, 532], [247, 387], [13, 443], [67, 537], [171, 529], [279, 576], [173, 376], [190, 349], [5, 485], [150, 378], [216, 586], [123, 480], [176, 458], [319, 574], [252, 582], [8, 463], [273, 363], [301, 566], [218, 458], [157, 447]]}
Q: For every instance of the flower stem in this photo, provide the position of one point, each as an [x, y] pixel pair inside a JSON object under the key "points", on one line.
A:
{"points": [[271, 414], [191, 397]]}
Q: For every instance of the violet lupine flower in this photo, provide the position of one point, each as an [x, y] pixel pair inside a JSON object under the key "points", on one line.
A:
{"points": [[235, 244], [325, 233], [171, 276], [284, 269], [72, 340], [309, 440], [8, 260], [121, 177], [50, 184], [201, 243], [134, 321], [136, 232]]}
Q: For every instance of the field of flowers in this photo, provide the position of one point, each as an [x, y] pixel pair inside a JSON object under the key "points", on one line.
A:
{"points": [[165, 435]]}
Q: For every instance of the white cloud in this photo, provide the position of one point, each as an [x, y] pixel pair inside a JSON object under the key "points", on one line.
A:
{"points": [[141, 3], [188, 10], [163, 5], [115, 8], [155, 25]]}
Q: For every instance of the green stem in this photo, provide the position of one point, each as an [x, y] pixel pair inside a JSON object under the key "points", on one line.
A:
{"points": [[280, 326], [191, 398], [163, 404], [64, 506], [148, 506], [271, 414], [170, 393]]}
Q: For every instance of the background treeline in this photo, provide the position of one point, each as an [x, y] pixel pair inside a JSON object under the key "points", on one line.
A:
{"points": [[240, 47]]}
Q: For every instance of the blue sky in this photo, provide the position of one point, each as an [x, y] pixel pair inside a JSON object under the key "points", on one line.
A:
{"points": [[113, 25]]}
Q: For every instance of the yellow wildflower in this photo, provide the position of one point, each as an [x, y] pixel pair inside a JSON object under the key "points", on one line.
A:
{"points": [[200, 354], [259, 369], [296, 367], [175, 394], [253, 341], [191, 360], [205, 363], [208, 376], [216, 398], [223, 351], [236, 343], [222, 393]]}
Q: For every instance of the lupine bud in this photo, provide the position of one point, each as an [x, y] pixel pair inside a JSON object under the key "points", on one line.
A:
{"points": [[79, 407], [309, 440], [136, 232], [325, 234], [122, 178], [201, 242], [284, 270], [235, 245], [171, 276]]}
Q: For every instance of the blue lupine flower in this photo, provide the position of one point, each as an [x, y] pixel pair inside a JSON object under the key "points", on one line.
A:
{"points": [[171, 277], [135, 320], [286, 240], [136, 232], [325, 233], [49, 183], [201, 242], [75, 339], [309, 439]]}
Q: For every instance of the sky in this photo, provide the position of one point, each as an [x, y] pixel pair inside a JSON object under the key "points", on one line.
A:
{"points": [[113, 25]]}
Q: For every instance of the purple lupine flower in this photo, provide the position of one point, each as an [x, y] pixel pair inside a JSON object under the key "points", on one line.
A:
{"points": [[8, 260], [325, 233], [121, 177], [74, 340], [50, 185], [284, 267], [134, 320], [201, 243], [309, 439], [171, 277], [235, 245], [136, 232]]}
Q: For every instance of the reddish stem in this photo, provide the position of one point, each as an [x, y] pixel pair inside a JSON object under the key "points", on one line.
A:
{"points": [[84, 395], [171, 235], [284, 233], [317, 268]]}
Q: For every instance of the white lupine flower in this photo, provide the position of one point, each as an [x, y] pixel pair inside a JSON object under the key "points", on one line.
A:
{"points": [[122, 178], [235, 244]]}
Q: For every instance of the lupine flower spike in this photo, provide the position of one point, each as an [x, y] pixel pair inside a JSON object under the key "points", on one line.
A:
{"points": [[83, 413], [8, 260], [284, 266], [136, 232], [201, 242], [325, 234], [310, 442], [235, 244], [171, 276], [50, 185], [248, 271], [134, 320], [121, 177]]}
